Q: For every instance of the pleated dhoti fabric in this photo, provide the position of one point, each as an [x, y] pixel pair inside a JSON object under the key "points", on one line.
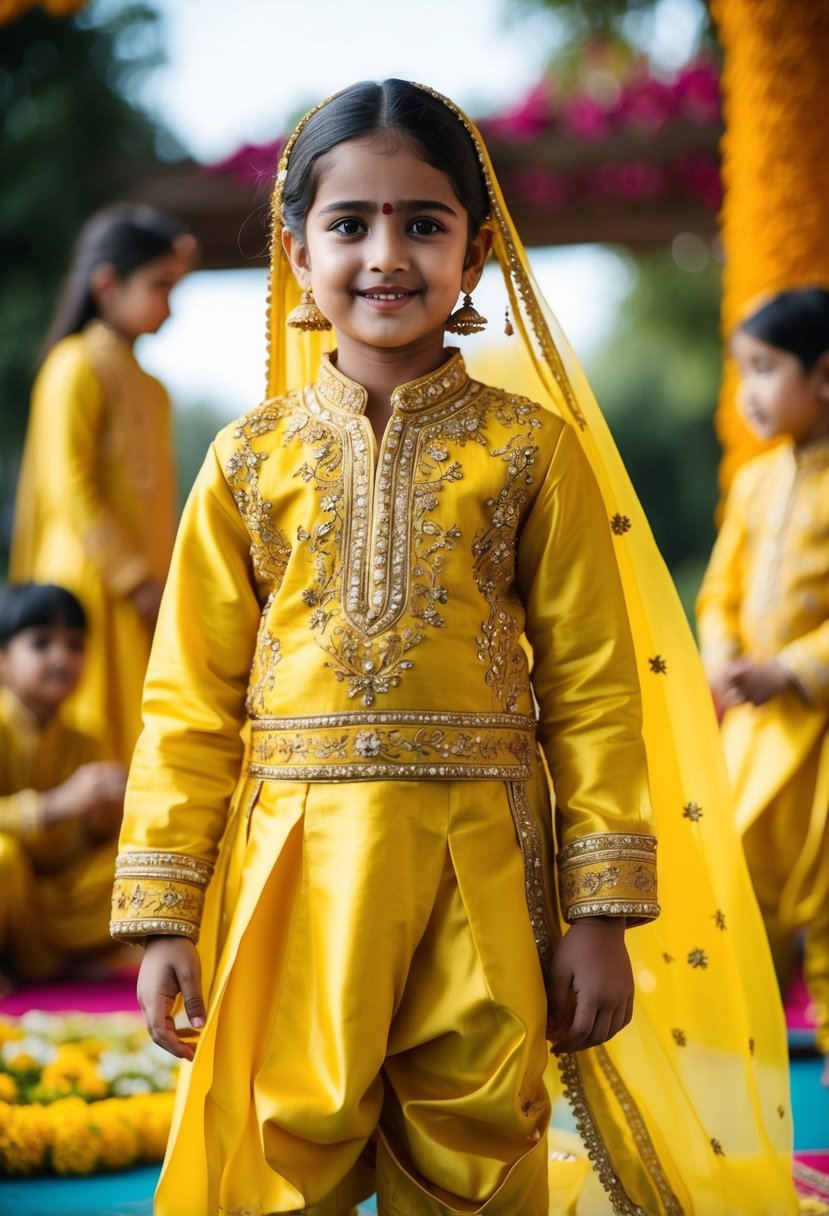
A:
{"points": [[378, 994]]}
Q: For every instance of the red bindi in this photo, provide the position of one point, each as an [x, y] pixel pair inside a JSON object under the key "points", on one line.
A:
{"points": [[387, 208]]}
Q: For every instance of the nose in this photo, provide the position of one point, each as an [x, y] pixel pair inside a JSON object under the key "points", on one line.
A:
{"points": [[387, 249]]}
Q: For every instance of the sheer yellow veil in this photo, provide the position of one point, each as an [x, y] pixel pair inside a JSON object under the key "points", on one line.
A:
{"points": [[687, 1110]]}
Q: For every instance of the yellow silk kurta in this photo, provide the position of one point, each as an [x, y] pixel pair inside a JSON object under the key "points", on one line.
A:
{"points": [[54, 883], [386, 815], [96, 514], [766, 594]]}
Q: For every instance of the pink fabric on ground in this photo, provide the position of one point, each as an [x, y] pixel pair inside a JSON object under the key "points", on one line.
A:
{"points": [[112, 995], [797, 1005]]}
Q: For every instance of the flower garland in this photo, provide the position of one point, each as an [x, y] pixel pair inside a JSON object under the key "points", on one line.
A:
{"points": [[775, 214], [12, 10], [81, 1093]]}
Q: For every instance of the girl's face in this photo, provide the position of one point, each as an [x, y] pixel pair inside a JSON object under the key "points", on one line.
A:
{"points": [[777, 396], [386, 251], [42, 665], [140, 302]]}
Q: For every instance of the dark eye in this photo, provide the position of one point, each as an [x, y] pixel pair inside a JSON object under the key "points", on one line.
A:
{"points": [[348, 226], [423, 226]]}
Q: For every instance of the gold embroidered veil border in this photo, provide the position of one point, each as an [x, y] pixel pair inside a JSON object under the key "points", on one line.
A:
{"points": [[687, 1111]]}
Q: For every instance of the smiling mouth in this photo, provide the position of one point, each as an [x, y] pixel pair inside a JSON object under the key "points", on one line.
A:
{"points": [[388, 294]]}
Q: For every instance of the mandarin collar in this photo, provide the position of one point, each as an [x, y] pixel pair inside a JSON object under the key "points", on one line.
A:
{"points": [[23, 721], [108, 341], [812, 455], [338, 392]]}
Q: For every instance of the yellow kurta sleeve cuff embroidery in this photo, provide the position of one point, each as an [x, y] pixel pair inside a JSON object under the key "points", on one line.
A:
{"points": [[158, 893], [21, 813], [609, 875]]}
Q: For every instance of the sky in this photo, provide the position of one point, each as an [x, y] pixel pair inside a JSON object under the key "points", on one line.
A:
{"points": [[243, 70]]}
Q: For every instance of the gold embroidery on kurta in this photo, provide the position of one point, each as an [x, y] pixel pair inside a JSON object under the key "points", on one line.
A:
{"points": [[494, 553]]}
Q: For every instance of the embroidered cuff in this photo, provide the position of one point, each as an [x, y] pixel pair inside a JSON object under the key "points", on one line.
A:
{"points": [[158, 893], [613, 874], [809, 676]]}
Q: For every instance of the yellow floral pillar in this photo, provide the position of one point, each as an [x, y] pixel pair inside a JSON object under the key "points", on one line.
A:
{"points": [[775, 215], [10, 10]]}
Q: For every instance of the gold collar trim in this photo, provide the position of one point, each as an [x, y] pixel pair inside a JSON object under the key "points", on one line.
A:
{"points": [[338, 392], [812, 455]]}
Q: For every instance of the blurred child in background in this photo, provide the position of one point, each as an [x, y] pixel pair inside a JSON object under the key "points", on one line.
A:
{"points": [[60, 805], [96, 502], [764, 631]]}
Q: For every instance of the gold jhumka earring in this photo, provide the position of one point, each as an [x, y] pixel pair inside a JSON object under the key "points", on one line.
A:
{"points": [[466, 319], [306, 315]]}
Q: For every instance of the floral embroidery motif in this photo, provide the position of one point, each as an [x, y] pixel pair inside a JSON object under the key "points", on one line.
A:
{"points": [[658, 665], [620, 524], [692, 811], [267, 656], [668, 958], [270, 549], [719, 919], [679, 1038], [781, 1112], [494, 555], [751, 1045], [717, 1147], [698, 958]]}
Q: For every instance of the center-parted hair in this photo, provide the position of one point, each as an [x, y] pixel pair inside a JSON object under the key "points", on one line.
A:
{"points": [[372, 108], [32, 605], [794, 321]]}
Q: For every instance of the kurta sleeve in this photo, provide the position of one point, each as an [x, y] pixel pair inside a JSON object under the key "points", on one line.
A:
{"points": [[188, 757], [806, 662], [21, 814], [720, 596], [67, 408], [587, 688]]}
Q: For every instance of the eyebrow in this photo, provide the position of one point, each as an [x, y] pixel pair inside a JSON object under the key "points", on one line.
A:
{"points": [[413, 204]]}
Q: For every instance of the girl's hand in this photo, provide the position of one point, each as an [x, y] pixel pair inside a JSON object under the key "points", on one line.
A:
{"points": [[591, 985], [92, 788], [170, 965], [147, 600], [758, 680]]}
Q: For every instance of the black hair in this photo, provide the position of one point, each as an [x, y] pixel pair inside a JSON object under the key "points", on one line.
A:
{"points": [[126, 236], [30, 605], [371, 107], [794, 321]]}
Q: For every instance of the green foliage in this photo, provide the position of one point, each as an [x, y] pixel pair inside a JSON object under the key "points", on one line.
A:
{"points": [[195, 428], [657, 378], [71, 141], [602, 18]]}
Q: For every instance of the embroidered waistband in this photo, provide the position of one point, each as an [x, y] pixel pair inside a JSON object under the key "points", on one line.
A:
{"points": [[393, 744]]}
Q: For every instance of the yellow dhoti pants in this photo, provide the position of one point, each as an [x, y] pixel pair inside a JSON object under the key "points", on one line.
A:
{"points": [[378, 987]]}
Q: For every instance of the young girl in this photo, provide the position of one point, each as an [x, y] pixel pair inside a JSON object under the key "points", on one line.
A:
{"points": [[764, 630], [362, 564], [60, 805], [95, 505]]}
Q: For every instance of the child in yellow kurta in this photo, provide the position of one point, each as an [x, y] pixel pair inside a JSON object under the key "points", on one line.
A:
{"points": [[96, 504], [764, 631], [60, 805], [340, 690]]}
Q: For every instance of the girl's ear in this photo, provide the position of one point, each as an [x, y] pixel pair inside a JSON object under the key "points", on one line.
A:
{"points": [[822, 377], [102, 282], [297, 255], [476, 256]]}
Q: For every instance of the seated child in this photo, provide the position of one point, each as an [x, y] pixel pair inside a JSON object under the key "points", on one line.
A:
{"points": [[60, 805]]}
